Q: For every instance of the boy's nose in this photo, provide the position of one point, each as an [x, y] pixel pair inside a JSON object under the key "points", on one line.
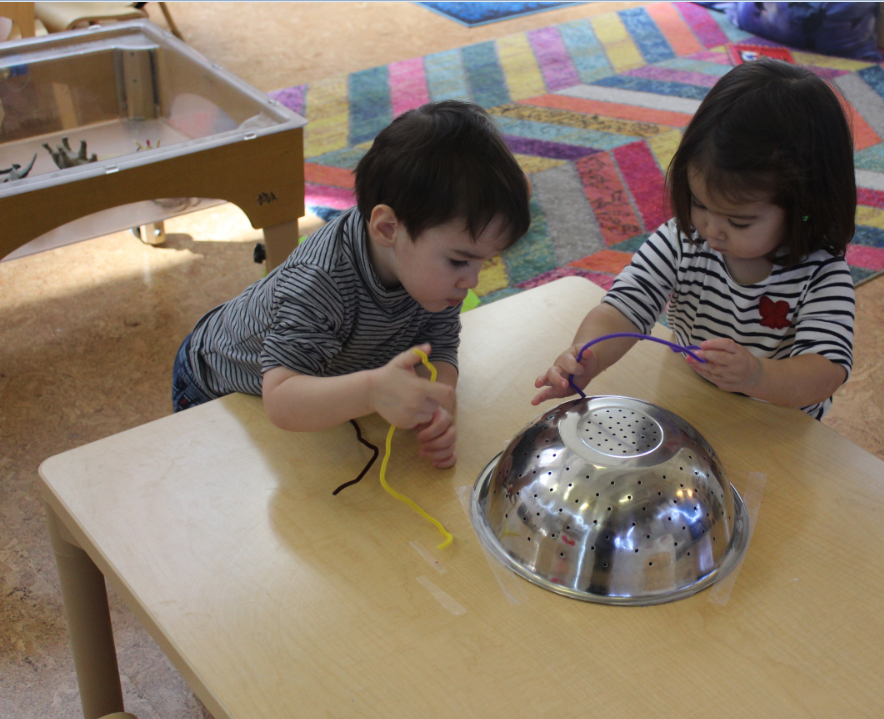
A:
{"points": [[468, 282]]}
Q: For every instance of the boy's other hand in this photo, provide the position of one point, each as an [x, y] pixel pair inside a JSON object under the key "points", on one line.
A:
{"points": [[555, 379], [403, 398], [729, 366], [437, 439]]}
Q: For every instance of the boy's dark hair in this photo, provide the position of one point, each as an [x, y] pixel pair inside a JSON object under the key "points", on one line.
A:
{"points": [[768, 126], [443, 161]]}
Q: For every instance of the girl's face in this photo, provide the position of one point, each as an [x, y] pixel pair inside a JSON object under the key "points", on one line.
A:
{"points": [[746, 230]]}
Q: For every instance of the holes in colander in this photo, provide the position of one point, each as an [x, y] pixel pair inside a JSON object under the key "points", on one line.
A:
{"points": [[611, 432]]}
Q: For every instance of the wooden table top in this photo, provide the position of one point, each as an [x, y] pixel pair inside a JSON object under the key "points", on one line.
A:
{"points": [[276, 599]]}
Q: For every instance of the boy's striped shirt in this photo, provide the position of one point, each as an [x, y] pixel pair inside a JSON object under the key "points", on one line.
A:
{"points": [[322, 313]]}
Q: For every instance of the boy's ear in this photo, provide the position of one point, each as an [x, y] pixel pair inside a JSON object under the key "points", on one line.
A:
{"points": [[382, 225]]}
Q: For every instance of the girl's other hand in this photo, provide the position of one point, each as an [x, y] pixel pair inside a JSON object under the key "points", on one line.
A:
{"points": [[555, 379], [729, 366]]}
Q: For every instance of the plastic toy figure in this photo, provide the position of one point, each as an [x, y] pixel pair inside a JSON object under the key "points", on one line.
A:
{"points": [[142, 147], [64, 156], [16, 173]]}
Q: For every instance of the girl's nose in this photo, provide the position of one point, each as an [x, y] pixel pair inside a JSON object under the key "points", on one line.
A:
{"points": [[716, 229]]}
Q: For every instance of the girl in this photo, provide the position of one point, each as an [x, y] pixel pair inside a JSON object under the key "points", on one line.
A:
{"points": [[763, 192]]}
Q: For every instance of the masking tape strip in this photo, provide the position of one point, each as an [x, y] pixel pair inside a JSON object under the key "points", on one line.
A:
{"points": [[430, 559], [442, 597], [510, 584], [751, 496]]}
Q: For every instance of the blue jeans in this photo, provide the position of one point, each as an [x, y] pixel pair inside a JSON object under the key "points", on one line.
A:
{"points": [[186, 393]]}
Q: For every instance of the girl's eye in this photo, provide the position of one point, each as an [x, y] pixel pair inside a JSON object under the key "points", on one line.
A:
{"points": [[697, 204], [459, 263], [739, 227]]}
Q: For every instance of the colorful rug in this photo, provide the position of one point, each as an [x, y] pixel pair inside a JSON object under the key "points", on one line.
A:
{"points": [[473, 14], [594, 110]]}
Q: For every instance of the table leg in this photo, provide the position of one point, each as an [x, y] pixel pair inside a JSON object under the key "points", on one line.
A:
{"points": [[89, 624], [279, 241]]}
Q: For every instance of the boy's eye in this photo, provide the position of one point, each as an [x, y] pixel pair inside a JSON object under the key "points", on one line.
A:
{"points": [[459, 263]]}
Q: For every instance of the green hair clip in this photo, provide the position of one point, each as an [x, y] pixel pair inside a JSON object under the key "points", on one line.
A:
{"points": [[805, 218]]}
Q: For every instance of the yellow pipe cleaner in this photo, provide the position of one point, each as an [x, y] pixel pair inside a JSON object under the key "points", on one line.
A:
{"points": [[401, 497]]}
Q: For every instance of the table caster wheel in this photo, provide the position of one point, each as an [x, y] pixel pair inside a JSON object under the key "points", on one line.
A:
{"points": [[152, 234]]}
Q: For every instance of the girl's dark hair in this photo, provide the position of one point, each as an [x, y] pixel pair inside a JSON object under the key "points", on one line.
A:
{"points": [[444, 161], [771, 127]]}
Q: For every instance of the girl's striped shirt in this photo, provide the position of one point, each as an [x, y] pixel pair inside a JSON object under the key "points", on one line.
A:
{"points": [[805, 309]]}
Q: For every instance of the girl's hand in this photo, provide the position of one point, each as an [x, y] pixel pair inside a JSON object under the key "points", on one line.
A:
{"points": [[437, 439], [729, 366], [403, 398], [555, 379]]}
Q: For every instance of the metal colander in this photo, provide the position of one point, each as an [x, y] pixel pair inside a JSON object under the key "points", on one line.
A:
{"points": [[611, 499]]}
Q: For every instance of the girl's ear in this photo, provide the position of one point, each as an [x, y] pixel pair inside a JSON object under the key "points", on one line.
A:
{"points": [[382, 225]]}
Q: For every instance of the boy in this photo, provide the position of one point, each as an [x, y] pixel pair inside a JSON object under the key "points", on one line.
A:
{"points": [[329, 335]]}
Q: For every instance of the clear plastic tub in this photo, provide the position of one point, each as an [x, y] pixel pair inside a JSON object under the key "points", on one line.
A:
{"points": [[123, 98]]}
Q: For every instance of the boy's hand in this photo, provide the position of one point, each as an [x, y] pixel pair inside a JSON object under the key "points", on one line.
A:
{"points": [[403, 398], [437, 439], [555, 380], [729, 366]]}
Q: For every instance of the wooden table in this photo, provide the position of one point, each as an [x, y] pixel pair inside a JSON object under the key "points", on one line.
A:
{"points": [[276, 599]]}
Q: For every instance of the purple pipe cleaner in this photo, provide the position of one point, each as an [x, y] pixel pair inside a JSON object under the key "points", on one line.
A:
{"points": [[672, 345]]}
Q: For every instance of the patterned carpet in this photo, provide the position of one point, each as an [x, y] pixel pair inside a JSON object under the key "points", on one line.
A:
{"points": [[473, 14], [594, 110]]}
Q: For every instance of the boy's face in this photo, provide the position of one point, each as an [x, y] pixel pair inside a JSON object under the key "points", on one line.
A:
{"points": [[439, 266]]}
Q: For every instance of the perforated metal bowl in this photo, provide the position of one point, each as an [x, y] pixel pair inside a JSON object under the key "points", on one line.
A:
{"points": [[611, 499]]}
